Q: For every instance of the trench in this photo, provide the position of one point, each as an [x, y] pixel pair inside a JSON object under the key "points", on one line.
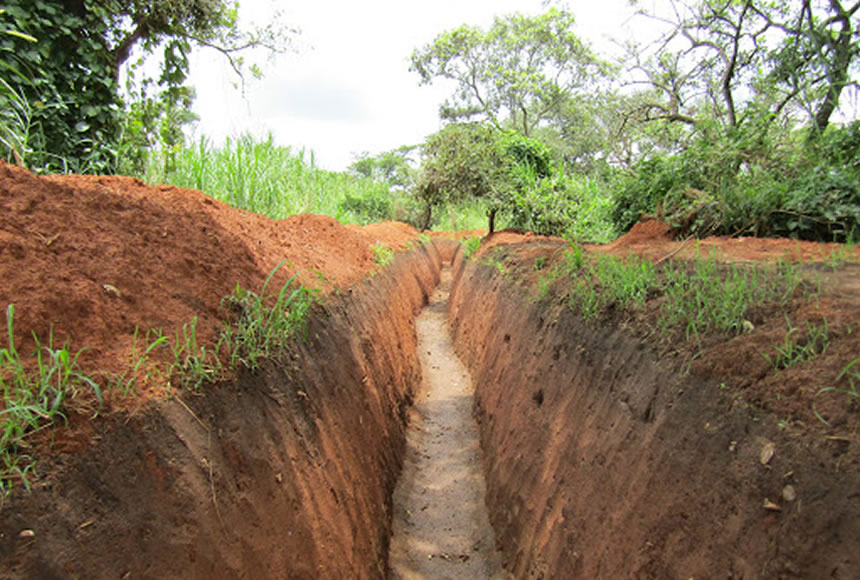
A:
{"points": [[598, 461], [441, 527]]}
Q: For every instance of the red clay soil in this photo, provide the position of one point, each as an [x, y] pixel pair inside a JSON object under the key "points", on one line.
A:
{"points": [[283, 472], [610, 455], [95, 258]]}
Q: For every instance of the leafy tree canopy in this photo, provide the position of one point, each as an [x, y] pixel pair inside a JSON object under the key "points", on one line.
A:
{"points": [[522, 71], [67, 82], [476, 160]]}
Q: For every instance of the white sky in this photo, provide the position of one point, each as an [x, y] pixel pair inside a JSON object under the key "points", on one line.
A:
{"points": [[348, 88]]}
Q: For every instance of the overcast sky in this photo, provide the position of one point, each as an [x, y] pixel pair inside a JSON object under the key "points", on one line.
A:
{"points": [[348, 87]]}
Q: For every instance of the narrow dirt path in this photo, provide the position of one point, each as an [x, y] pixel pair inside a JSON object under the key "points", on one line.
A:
{"points": [[441, 529]]}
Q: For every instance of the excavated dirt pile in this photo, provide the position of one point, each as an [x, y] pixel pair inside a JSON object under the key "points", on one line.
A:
{"points": [[282, 472], [613, 453]]}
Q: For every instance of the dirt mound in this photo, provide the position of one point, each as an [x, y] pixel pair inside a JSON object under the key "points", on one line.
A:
{"points": [[94, 259], [644, 232], [394, 235], [652, 238]]}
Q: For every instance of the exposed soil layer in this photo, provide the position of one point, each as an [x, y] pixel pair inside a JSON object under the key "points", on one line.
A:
{"points": [[286, 472], [605, 459], [609, 452], [96, 258], [440, 526]]}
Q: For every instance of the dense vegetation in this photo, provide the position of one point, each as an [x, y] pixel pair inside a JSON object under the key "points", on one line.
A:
{"points": [[729, 124]]}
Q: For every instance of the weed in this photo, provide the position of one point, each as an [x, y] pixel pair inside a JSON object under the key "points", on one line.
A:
{"points": [[796, 350], [851, 373], [258, 175], [574, 260], [265, 323], [540, 263], [126, 382], [470, 246], [608, 280], [34, 398], [841, 256], [382, 254], [495, 259], [585, 295], [424, 238], [712, 297], [546, 280], [193, 364]]}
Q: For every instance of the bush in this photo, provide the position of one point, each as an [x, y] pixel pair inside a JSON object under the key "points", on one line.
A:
{"points": [[807, 191]]}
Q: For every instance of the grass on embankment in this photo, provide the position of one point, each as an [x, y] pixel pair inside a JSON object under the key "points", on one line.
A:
{"points": [[36, 393]]}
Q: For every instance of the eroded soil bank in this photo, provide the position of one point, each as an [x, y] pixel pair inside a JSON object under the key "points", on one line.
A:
{"points": [[604, 460], [286, 473]]}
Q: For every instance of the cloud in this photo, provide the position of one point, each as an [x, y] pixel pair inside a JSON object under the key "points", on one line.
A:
{"points": [[312, 98]]}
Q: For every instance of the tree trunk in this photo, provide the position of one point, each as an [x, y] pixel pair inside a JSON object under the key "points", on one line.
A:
{"points": [[425, 220], [843, 53], [492, 215]]}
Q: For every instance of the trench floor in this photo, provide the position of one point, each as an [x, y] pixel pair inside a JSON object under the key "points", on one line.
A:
{"points": [[440, 527]]}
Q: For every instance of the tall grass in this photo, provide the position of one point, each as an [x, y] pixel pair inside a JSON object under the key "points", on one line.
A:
{"points": [[262, 177]]}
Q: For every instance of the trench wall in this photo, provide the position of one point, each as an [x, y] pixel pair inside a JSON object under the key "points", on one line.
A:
{"points": [[286, 473], [602, 461]]}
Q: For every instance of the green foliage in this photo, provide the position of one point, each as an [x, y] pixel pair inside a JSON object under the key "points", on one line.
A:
{"points": [[265, 323], [470, 246], [33, 396], [606, 281], [566, 205], [699, 297], [125, 383], [193, 364], [850, 374], [512, 176], [796, 349], [392, 167], [522, 71], [706, 296], [808, 190], [461, 161], [382, 254], [259, 176], [67, 80]]}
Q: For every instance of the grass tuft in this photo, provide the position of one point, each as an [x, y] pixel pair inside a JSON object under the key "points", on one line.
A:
{"points": [[34, 397], [265, 323], [382, 254], [796, 349], [470, 246]]}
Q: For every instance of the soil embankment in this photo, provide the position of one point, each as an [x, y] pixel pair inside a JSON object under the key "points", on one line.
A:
{"points": [[283, 472], [605, 460], [440, 527]]}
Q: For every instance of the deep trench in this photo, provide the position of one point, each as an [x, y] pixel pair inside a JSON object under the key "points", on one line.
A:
{"points": [[441, 528], [599, 461]]}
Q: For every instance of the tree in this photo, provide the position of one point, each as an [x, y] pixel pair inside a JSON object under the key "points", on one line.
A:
{"points": [[731, 64], [71, 76], [522, 71], [392, 167], [476, 160]]}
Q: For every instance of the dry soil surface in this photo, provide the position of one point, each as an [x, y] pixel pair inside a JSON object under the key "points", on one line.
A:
{"points": [[441, 528]]}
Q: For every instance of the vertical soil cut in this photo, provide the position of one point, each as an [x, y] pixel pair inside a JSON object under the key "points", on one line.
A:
{"points": [[440, 525]]}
